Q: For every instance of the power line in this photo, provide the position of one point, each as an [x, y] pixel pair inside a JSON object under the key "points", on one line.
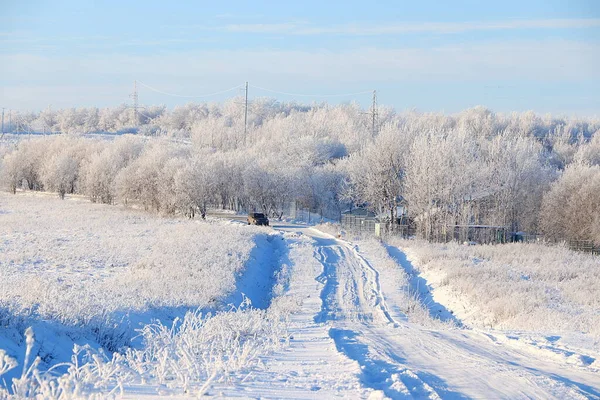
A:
{"points": [[184, 96], [311, 95], [146, 115]]}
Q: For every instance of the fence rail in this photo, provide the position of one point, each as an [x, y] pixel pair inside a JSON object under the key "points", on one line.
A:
{"points": [[586, 246]]}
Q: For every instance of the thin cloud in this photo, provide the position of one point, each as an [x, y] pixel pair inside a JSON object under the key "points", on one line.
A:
{"points": [[238, 16], [30, 81], [491, 61], [164, 42], [293, 28]]}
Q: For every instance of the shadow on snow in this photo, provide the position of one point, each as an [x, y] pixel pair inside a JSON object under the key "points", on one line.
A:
{"points": [[420, 287]]}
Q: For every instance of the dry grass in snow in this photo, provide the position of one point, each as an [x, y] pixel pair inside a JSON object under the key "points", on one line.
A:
{"points": [[83, 273], [513, 286], [103, 269]]}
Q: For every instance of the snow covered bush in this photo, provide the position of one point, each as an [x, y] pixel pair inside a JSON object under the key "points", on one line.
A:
{"points": [[571, 209], [22, 167], [184, 358], [100, 172], [589, 153]]}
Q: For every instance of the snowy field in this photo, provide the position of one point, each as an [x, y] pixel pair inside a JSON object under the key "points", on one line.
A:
{"points": [[332, 318], [87, 274], [527, 287]]}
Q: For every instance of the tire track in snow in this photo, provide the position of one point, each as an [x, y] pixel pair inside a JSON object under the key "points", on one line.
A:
{"points": [[311, 367], [351, 292], [376, 285], [404, 360], [352, 299]]}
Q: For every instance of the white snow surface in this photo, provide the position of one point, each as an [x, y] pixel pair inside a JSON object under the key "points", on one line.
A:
{"points": [[396, 357], [82, 273], [339, 319]]}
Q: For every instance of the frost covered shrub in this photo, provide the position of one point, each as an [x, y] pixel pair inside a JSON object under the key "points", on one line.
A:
{"points": [[50, 163], [185, 358], [514, 286], [22, 167], [202, 348], [571, 209], [100, 171]]}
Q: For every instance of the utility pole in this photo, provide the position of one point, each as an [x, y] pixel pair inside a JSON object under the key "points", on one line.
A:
{"points": [[3, 120], [10, 129], [246, 114], [374, 114]]}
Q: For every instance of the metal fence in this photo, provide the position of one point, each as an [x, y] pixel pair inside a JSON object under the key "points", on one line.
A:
{"points": [[371, 226], [586, 246], [358, 223], [482, 234], [310, 215]]}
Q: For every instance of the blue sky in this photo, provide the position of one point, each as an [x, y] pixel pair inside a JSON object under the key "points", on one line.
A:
{"points": [[429, 55]]}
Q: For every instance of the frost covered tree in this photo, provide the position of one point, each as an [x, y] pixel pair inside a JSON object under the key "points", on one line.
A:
{"points": [[519, 178], [571, 209], [474, 167], [376, 173], [141, 180], [101, 169], [12, 171], [60, 173], [28, 161], [589, 153], [194, 187]]}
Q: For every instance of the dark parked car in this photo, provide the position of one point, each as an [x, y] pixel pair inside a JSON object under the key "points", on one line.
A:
{"points": [[258, 219]]}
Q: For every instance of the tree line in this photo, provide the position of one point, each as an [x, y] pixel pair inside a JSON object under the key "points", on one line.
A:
{"points": [[529, 173]]}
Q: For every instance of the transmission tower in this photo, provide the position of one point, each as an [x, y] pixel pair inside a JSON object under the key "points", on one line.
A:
{"points": [[134, 98], [374, 114]]}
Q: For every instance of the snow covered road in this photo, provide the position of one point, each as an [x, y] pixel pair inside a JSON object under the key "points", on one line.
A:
{"points": [[351, 340]]}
